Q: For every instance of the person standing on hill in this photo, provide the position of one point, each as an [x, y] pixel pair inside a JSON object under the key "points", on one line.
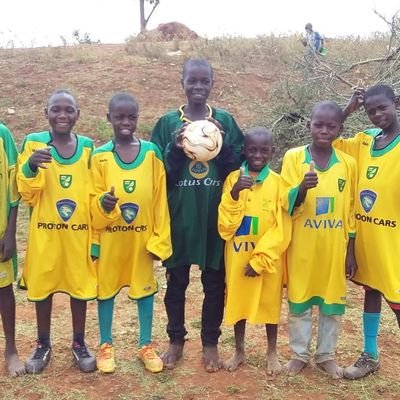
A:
{"points": [[194, 192], [313, 41]]}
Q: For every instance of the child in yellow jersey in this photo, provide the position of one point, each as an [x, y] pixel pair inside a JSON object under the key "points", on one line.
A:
{"points": [[257, 232], [9, 199], [131, 221], [377, 246], [53, 179], [319, 185]]}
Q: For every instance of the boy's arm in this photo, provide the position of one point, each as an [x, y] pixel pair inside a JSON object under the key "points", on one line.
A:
{"points": [[230, 210], [272, 244], [8, 246], [228, 158], [30, 183], [159, 243], [101, 218]]}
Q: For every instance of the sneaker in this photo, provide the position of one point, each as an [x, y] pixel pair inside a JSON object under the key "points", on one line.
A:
{"points": [[39, 359], [364, 366], [150, 359], [84, 359], [105, 359]]}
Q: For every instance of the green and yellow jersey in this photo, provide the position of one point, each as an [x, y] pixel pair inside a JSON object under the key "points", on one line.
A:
{"points": [[257, 232], [58, 251], [138, 227], [377, 212], [194, 190], [9, 197], [321, 228]]}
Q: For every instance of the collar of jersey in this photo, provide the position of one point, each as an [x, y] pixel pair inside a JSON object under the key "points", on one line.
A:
{"points": [[184, 118], [332, 160], [61, 160], [144, 148], [387, 148], [262, 175]]}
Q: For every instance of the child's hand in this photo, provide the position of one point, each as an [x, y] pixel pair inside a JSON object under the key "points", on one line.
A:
{"points": [[218, 125], [155, 257], [243, 182], [8, 247], [179, 135], [109, 200], [355, 102], [39, 158], [310, 178], [249, 271], [351, 262]]}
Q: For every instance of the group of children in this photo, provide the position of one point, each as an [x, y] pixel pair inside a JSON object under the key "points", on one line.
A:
{"points": [[107, 214]]}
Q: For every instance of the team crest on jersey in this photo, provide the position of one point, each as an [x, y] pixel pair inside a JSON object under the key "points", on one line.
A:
{"points": [[341, 184], [129, 212], [198, 169], [367, 198], [372, 171], [129, 185], [65, 208], [65, 181]]}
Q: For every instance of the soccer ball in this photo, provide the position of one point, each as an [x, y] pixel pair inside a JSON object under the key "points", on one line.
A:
{"points": [[202, 140]]}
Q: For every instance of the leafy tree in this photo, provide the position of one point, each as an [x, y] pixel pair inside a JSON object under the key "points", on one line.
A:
{"points": [[143, 19]]}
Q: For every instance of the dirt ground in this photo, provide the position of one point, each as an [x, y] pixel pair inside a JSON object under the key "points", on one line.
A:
{"points": [[93, 73]]}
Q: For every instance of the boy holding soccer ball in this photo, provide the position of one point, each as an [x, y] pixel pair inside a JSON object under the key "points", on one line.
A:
{"points": [[194, 192]]}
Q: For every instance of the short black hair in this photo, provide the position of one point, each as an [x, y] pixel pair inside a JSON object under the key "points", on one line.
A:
{"points": [[62, 91], [328, 105], [258, 131], [122, 96], [197, 62], [386, 90]]}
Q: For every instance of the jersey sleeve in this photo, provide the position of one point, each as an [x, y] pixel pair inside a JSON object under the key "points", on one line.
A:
{"points": [[12, 155], [159, 242], [30, 183], [350, 146], [230, 211], [273, 243], [100, 217], [351, 220], [291, 179]]}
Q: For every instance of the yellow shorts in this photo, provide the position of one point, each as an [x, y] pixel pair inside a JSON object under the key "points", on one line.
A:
{"points": [[8, 272]]}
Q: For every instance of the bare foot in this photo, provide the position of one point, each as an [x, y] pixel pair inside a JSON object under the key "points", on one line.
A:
{"points": [[232, 363], [331, 368], [273, 364], [15, 366], [211, 360], [172, 355], [293, 367]]}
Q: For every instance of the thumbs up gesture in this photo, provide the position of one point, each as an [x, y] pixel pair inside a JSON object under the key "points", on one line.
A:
{"points": [[244, 182], [109, 200], [310, 178]]}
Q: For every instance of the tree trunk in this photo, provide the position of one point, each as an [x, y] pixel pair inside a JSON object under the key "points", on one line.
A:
{"points": [[143, 21]]}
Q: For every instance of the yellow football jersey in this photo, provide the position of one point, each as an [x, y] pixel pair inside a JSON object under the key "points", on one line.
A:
{"points": [[139, 225], [58, 252], [321, 227], [377, 212], [256, 232], [9, 197]]}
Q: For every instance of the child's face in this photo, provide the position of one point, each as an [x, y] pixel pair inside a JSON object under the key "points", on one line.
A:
{"points": [[325, 126], [258, 151], [197, 83], [380, 110], [62, 113], [123, 118]]}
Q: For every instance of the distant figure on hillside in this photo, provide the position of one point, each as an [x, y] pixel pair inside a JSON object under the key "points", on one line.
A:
{"points": [[314, 41]]}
